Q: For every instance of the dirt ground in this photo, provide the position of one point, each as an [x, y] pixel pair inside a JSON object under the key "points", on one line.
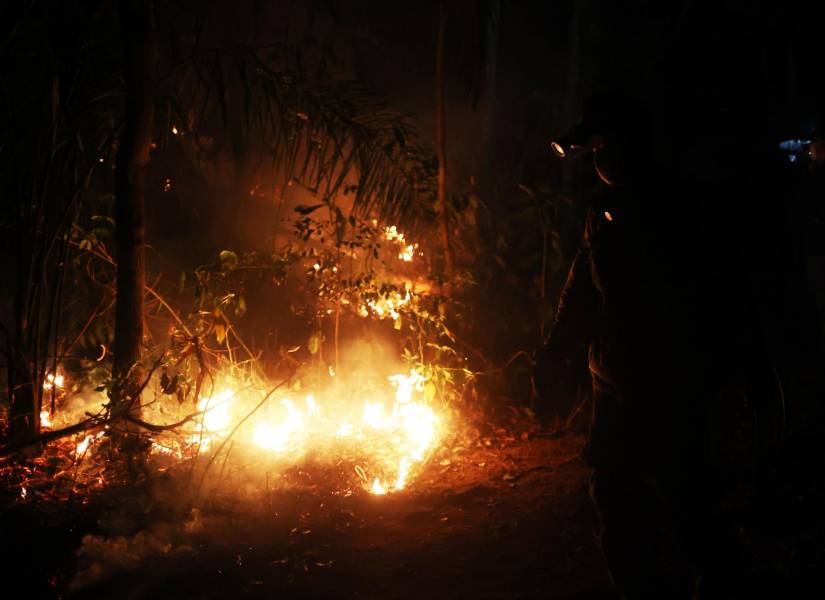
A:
{"points": [[507, 518], [501, 512]]}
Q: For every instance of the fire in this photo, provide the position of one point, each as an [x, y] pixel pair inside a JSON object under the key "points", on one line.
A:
{"points": [[406, 385], [398, 436], [383, 427], [277, 437], [407, 250], [387, 306], [216, 418], [53, 381], [392, 233], [83, 446], [403, 469], [390, 431]]}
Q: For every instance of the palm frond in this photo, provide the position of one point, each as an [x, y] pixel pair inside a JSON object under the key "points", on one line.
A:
{"points": [[318, 131]]}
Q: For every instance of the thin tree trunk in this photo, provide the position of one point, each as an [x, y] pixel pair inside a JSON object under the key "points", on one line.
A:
{"points": [[24, 421], [132, 157], [572, 93], [488, 183], [441, 140]]}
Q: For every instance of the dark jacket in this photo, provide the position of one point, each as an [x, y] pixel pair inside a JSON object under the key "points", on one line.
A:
{"points": [[633, 289], [651, 299]]}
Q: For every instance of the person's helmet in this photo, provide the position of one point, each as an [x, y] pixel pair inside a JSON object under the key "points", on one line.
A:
{"points": [[617, 129]]}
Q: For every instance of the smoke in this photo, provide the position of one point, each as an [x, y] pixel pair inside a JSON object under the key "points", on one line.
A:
{"points": [[103, 556]]}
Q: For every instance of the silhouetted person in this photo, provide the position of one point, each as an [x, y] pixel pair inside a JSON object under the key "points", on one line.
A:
{"points": [[635, 297], [813, 193]]}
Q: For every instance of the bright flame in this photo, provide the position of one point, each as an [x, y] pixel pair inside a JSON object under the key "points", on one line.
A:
{"points": [[391, 428], [403, 469], [87, 441], [373, 415], [405, 385], [388, 305], [278, 437], [216, 418], [84, 445], [45, 419], [396, 436], [377, 488], [392, 233], [407, 251], [53, 381]]}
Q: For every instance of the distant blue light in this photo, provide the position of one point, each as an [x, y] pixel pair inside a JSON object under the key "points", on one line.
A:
{"points": [[794, 146]]}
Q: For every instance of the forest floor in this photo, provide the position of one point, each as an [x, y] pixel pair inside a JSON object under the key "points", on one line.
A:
{"points": [[509, 517], [500, 513]]}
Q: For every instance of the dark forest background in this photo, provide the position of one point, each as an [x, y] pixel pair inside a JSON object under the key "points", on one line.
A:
{"points": [[725, 82]]}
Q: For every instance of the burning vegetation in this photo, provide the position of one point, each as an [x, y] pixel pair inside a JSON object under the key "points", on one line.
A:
{"points": [[204, 406], [260, 338]]}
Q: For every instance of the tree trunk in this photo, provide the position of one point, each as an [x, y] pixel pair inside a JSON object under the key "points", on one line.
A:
{"points": [[572, 92], [441, 140], [132, 157], [488, 183], [24, 418]]}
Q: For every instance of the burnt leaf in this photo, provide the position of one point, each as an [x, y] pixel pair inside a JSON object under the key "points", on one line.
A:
{"points": [[305, 209]]}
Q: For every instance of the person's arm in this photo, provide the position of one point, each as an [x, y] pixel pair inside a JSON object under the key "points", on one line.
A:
{"points": [[577, 310], [575, 321]]}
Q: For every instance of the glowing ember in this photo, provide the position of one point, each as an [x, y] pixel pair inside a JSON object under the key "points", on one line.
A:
{"points": [[377, 488]]}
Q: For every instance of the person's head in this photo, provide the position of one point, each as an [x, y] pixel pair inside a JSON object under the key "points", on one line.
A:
{"points": [[617, 129]]}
